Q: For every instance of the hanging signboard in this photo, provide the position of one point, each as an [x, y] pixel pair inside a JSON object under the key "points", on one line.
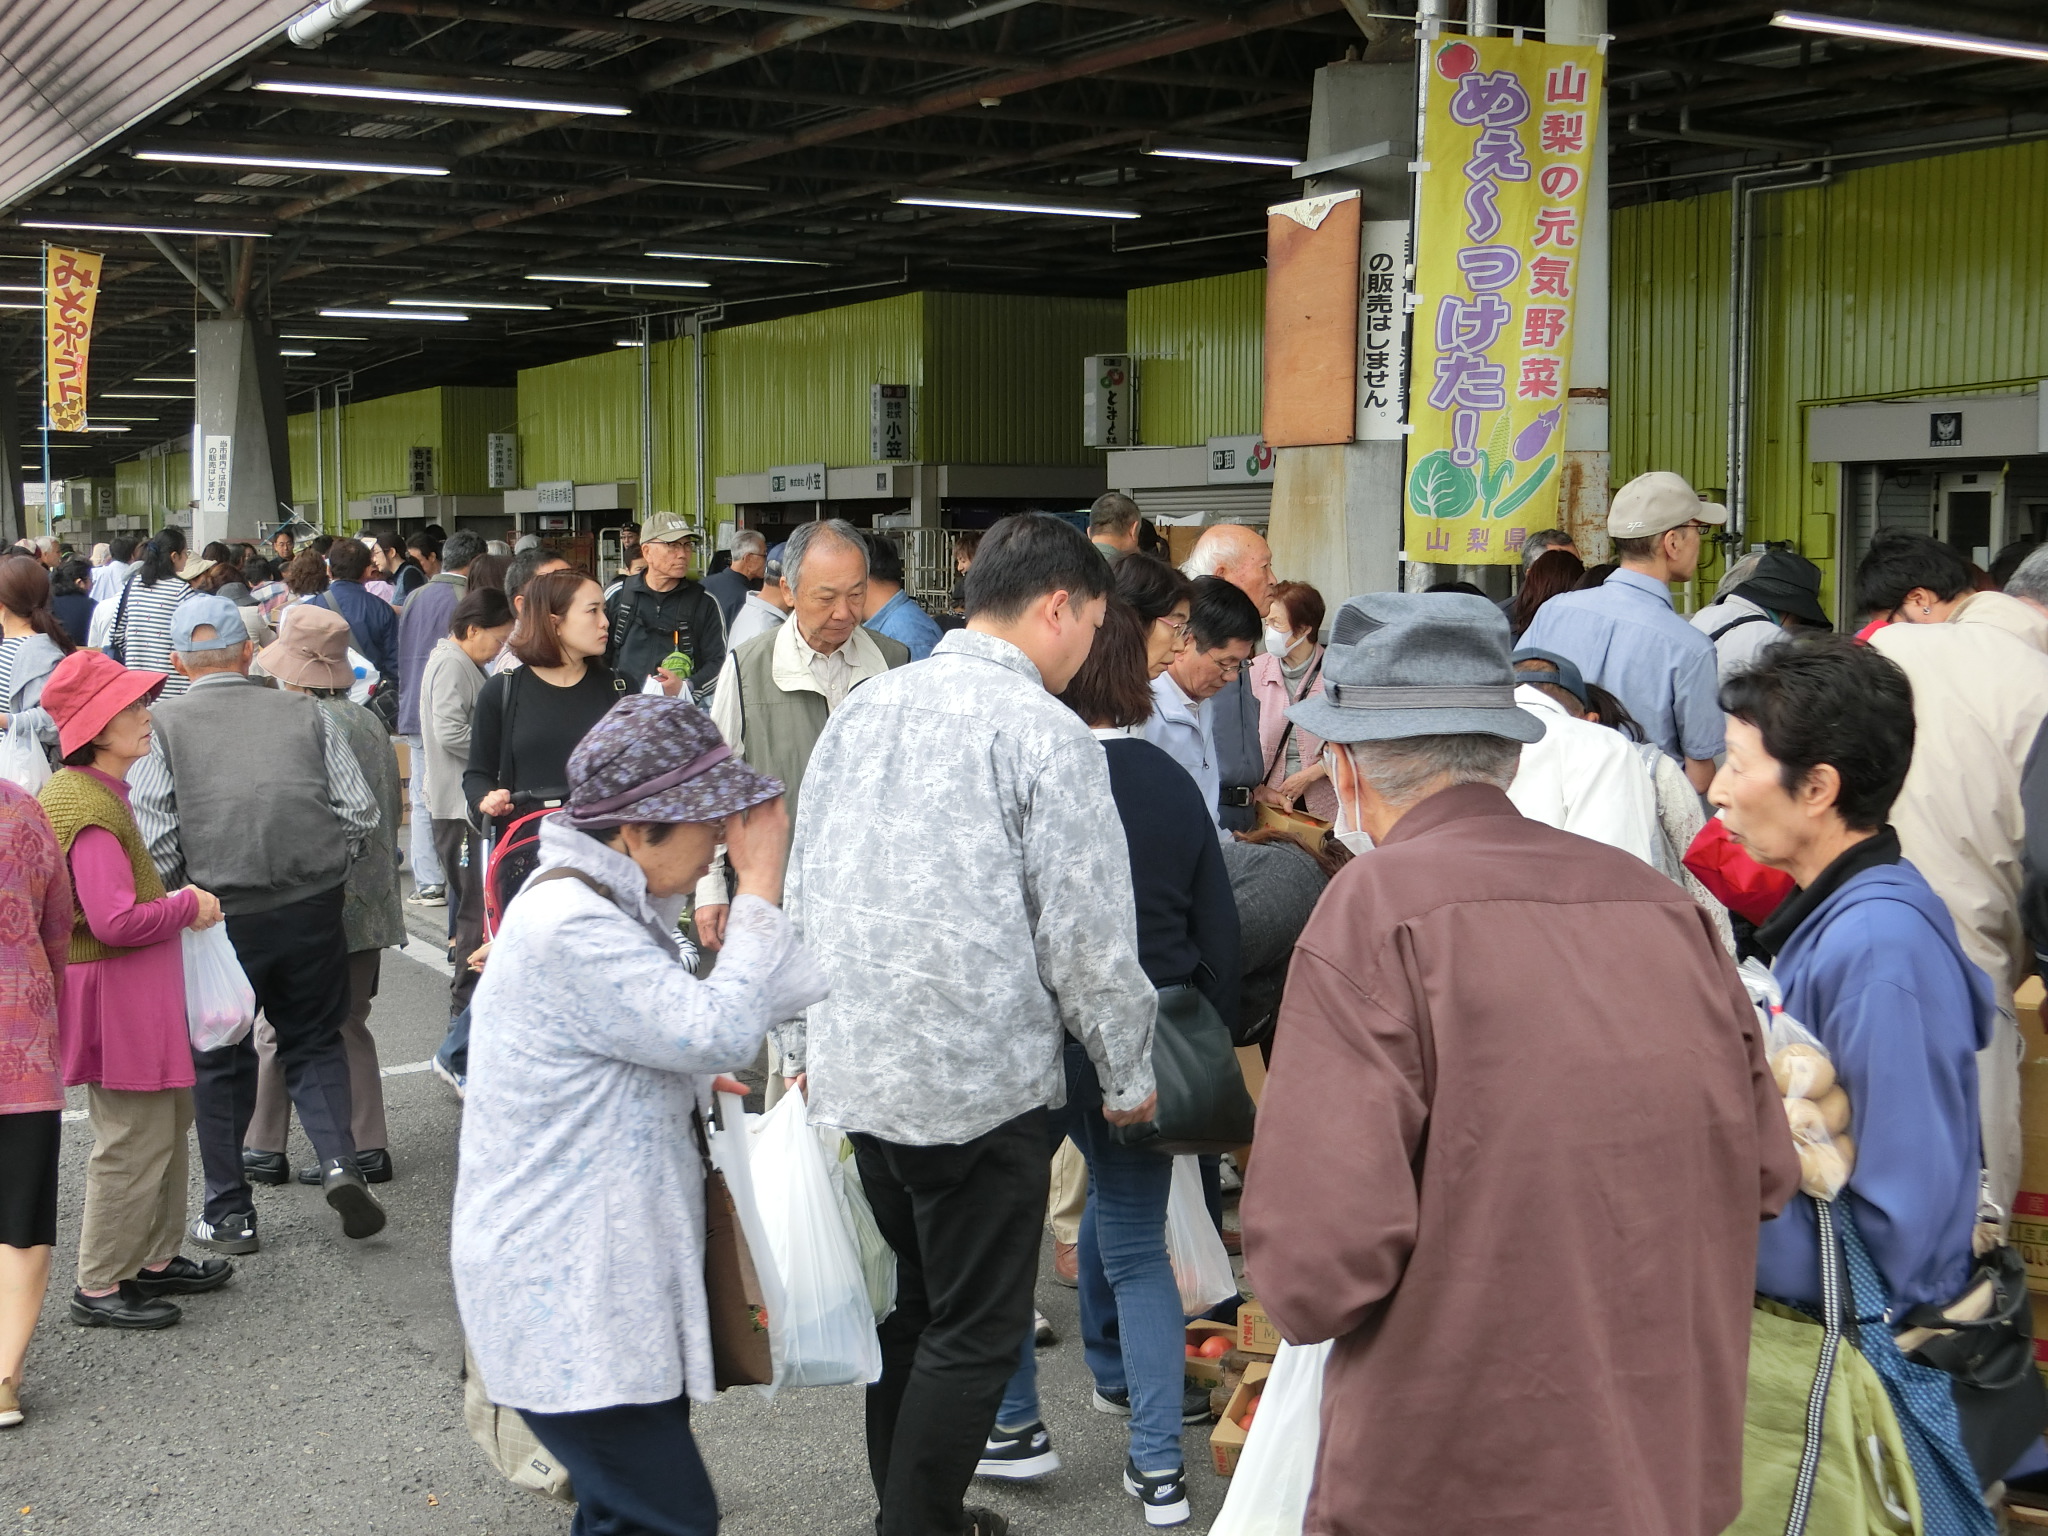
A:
{"points": [[71, 287], [421, 478], [1508, 138], [501, 461], [1240, 461], [888, 422], [1109, 401], [555, 496], [796, 482], [216, 470], [384, 504], [1382, 405]]}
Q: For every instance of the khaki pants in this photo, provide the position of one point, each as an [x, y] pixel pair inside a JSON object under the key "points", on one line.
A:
{"points": [[1068, 1196], [134, 1183], [272, 1119]]}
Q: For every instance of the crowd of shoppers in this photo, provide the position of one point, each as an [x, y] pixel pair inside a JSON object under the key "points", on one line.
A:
{"points": [[1503, 1048]]}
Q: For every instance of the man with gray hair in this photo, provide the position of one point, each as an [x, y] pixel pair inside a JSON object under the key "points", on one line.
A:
{"points": [[1113, 525], [1465, 1082], [1542, 542], [762, 610], [1240, 556], [749, 564], [777, 690], [2030, 582]]}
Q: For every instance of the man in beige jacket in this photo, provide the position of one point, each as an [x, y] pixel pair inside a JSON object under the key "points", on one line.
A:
{"points": [[1978, 663]]}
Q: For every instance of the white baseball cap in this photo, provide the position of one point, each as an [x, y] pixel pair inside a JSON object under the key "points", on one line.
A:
{"points": [[1656, 503]]}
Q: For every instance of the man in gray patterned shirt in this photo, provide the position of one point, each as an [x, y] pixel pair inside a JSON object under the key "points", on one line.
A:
{"points": [[959, 867]]}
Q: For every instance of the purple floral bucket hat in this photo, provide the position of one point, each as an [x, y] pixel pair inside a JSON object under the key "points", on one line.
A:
{"points": [[659, 760]]}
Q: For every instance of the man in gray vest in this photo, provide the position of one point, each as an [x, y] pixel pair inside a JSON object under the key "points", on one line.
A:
{"points": [[776, 692], [256, 794]]}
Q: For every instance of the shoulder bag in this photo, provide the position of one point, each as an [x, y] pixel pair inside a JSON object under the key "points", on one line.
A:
{"points": [[1203, 1104], [733, 1298]]}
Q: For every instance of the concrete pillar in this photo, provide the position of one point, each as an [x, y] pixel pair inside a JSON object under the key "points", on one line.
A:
{"points": [[1584, 495], [240, 397], [1336, 520], [13, 515]]}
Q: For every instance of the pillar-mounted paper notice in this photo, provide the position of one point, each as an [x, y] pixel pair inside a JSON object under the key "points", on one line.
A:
{"points": [[1312, 321]]}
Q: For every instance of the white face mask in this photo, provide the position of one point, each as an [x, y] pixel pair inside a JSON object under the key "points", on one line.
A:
{"points": [[1354, 838], [1278, 641]]}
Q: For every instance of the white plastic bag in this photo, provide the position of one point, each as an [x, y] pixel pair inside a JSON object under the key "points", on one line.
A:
{"points": [[827, 1334], [731, 1153], [1816, 1106], [220, 1005], [877, 1258], [22, 758], [1269, 1494], [1201, 1264]]}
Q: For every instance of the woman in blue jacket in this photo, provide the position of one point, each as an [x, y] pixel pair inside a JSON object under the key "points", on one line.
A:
{"points": [[1820, 734]]}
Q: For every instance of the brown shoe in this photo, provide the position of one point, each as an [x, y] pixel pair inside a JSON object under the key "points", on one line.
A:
{"points": [[10, 1403], [1066, 1263]]}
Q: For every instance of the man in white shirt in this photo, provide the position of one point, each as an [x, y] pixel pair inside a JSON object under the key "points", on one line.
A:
{"points": [[1580, 777], [1224, 626]]}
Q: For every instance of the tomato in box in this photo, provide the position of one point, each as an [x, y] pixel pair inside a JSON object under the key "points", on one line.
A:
{"points": [[1204, 1369]]}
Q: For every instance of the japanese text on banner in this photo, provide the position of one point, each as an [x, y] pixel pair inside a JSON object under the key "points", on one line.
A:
{"points": [[71, 285], [1509, 135]]}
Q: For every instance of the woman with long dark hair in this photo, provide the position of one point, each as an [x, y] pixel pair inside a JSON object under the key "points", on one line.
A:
{"points": [[142, 623], [1552, 572], [32, 642]]}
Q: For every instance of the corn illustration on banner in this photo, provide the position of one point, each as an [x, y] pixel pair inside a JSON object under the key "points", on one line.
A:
{"points": [[71, 287], [1508, 141]]}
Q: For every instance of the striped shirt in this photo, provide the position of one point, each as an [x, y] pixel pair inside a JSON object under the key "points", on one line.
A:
{"points": [[144, 630]]}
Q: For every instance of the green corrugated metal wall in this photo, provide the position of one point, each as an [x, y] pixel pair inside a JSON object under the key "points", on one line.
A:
{"points": [[1922, 277], [309, 462], [377, 437], [1002, 378], [580, 419], [149, 487], [1202, 350], [468, 416]]}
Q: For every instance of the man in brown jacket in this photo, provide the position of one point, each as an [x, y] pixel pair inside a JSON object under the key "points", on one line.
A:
{"points": [[1517, 1136]]}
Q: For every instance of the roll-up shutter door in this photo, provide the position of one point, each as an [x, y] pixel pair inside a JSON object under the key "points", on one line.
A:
{"points": [[74, 73]]}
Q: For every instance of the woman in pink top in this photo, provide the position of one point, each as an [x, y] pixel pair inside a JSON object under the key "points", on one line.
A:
{"points": [[123, 1014], [35, 927], [1287, 671]]}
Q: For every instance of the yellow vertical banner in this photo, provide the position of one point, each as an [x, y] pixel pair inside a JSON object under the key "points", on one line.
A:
{"points": [[1508, 137], [71, 287]]}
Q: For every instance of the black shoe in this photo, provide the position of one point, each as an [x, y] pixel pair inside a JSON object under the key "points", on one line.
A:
{"points": [[182, 1277], [984, 1522], [361, 1215], [1194, 1404], [1164, 1496], [126, 1308], [265, 1167], [233, 1233], [374, 1165], [1018, 1455]]}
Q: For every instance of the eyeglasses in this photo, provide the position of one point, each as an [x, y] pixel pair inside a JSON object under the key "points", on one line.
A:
{"points": [[1174, 622], [1229, 666]]}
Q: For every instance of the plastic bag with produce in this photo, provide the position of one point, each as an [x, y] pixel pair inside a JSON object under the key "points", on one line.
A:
{"points": [[1816, 1105]]}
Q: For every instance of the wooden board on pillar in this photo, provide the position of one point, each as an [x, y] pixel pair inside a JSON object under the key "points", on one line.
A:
{"points": [[1312, 322]]}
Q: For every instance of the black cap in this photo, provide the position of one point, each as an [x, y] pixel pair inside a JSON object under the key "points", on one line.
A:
{"points": [[1786, 583]]}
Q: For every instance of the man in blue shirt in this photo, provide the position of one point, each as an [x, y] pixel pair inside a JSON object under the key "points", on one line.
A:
{"points": [[889, 609], [370, 619], [1626, 636]]}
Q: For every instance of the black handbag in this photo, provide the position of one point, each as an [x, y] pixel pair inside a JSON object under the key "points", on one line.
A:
{"points": [[1203, 1105], [1984, 1343]]}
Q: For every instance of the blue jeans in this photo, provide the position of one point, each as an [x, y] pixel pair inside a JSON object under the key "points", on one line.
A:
{"points": [[1131, 1325]]}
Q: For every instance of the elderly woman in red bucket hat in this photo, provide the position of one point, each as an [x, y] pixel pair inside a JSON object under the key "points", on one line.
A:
{"points": [[122, 1028]]}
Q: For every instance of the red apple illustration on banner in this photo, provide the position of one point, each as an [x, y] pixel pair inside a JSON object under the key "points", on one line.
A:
{"points": [[1456, 60]]}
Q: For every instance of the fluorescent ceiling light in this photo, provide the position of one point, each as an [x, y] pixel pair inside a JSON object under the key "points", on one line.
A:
{"points": [[392, 314], [418, 303], [308, 157], [296, 352], [622, 279], [163, 378], [11, 305], [1003, 202], [315, 336], [150, 227], [629, 343], [141, 395], [1922, 37], [21, 287], [440, 90], [96, 427], [773, 261], [96, 416], [1224, 151]]}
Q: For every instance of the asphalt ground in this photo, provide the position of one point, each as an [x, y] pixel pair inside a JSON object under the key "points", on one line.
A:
{"points": [[320, 1391]]}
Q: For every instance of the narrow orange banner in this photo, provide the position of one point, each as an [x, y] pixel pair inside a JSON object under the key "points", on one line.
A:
{"points": [[71, 287]]}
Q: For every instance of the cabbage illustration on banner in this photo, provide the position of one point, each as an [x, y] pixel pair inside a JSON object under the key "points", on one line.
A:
{"points": [[1509, 134]]}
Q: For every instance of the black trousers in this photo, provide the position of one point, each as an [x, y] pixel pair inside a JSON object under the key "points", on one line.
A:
{"points": [[296, 959], [635, 1469], [460, 848], [964, 1221]]}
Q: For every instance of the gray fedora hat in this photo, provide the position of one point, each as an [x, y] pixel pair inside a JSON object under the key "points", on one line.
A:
{"points": [[1416, 664]]}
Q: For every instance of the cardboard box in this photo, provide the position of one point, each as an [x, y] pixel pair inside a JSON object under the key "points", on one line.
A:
{"points": [[404, 781], [2030, 1205], [1207, 1373], [1226, 1440], [1256, 1334]]}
